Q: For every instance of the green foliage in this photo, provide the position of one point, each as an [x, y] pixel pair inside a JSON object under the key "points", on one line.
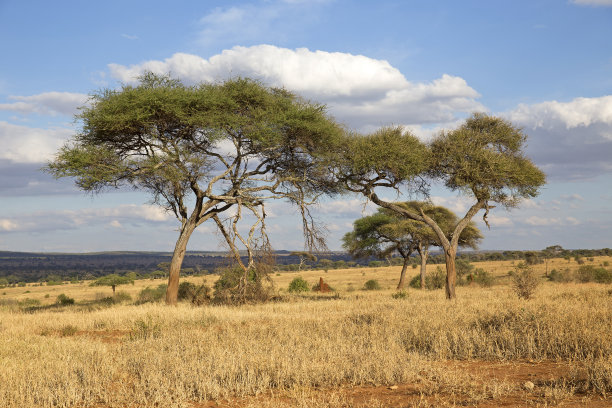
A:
{"points": [[590, 273], [402, 294], [112, 280], [149, 294], [485, 157], [64, 300], [524, 281], [433, 280], [390, 150], [196, 294], [298, 285], [563, 276], [463, 267], [482, 277], [121, 297], [372, 284]]}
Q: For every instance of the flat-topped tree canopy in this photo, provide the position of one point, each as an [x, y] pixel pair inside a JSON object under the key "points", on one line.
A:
{"points": [[200, 150], [484, 159]]}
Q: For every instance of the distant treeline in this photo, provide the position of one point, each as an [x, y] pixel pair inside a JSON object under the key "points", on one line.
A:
{"points": [[18, 267]]}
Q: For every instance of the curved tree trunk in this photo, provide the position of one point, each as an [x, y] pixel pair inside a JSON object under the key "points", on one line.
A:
{"points": [[451, 272], [402, 282], [177, 261]]}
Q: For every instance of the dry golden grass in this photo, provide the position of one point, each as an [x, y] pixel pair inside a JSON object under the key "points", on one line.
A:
{"points": [[152, 355]]}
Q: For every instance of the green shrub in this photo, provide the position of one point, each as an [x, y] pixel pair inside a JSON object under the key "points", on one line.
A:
{"points": [[299, 285], [64, 300], [590, 273], [606, 263], [402, 294], [122, 296], [433, 280], [560, 276], [524, 281], [186, 291], [482, 277], [372, 284], [196, 294], [149, 294]]}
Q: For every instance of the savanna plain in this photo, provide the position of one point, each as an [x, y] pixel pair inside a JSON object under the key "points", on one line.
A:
{"points": [[347, 348]]}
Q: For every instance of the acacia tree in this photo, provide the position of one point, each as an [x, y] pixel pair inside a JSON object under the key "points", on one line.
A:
{"points": [[483, 159], [380, 235], [304, 256], [387, 232], [202, 150], [113, 280], [552, 251]]}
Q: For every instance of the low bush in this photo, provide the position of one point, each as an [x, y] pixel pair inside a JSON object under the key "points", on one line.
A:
{"points": [[402, 294], [235, 287], [482, 277], [122, 296], [196, 294], [64, 300], [524, 281], [590, 273], [563, 276], [298, 285], [433, 280], [149, 294], [372, 284]]}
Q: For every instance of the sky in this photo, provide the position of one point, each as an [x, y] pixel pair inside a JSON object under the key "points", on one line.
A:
{"points": [[544, 65]]}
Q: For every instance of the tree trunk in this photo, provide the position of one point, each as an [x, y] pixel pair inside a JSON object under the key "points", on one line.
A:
{"points": [[402, 282], [113, 290], [423, 253], [176, 263], [451, 272]]}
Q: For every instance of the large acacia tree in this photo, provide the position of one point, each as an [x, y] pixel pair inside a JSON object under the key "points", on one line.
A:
{"points": [[483, 159], [386, 232], [203, 150]]}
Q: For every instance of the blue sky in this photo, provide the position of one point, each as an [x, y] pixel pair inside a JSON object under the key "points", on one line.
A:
{"points": [[544, 65]]}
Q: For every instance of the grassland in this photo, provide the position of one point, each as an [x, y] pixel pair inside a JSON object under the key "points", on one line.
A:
{"points": [[351, 348]]}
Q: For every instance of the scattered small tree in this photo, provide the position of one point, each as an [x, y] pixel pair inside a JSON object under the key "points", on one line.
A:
{"points": [[386, 233], [549, 252], [112, 280], [304, 256]]}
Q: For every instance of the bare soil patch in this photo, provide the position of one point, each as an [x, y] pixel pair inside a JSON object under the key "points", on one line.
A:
{"points": [[551, 381]]}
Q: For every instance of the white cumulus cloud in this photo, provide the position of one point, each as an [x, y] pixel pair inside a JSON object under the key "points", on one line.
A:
{"points": [[569, 140], [47, 103], [359, 90], [22, 144]]}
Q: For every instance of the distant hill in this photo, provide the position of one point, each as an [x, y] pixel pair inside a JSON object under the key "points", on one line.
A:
{"points": [[32, 266]]}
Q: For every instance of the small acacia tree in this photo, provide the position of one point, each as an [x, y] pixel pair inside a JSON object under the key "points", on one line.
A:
{"points": [[483, 159], [113, 280], [202, 150], [304, 256], [387, 232]]}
